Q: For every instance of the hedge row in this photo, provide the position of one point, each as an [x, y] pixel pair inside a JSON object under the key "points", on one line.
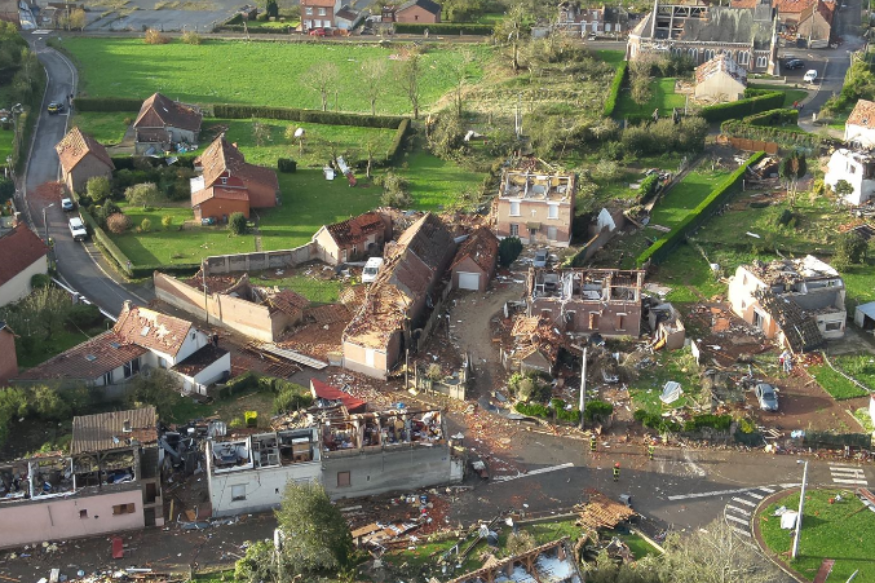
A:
{"points": [[107, 104], [792, 138], [395, 149], [102, 239], [647, 188], [233, 111], [257, 30], [616, 85], [129, 162], [443, 28], [657, 252], [252, 381], [759, 102], [773, 117]]}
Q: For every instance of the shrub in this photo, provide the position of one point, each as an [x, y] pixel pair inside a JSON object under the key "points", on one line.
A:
{"points": [[616, 86], [533, 410], [508, 250], [84, 315], [563, 414], [237, 223], [850, 249], [291, 399], [153, 37], [7, 189], [40, 280], [98, 188], [647, 189], [755, 101], [395, 193], [146, 226], [48, 404], [108, 104], [596, 410], [287, 165], [443, 28], [237, 111], [719, 422], [167, 221], [191, 38], [118, 223]]}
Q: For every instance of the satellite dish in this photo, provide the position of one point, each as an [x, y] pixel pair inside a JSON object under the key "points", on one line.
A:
{"points": [[299, 133]]}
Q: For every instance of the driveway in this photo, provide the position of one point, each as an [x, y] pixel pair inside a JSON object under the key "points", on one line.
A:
{"points": [[80, 265]]}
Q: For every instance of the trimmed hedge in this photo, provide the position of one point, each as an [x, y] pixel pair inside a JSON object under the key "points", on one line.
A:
{"points": [[647, 189], [657, 252], [443, 28], [127, 162], [101, 238], [616, 85], [233, 111], [107, 104], [759, 102], [787, 137], [395, 149], [256, 30], [773, 117]]}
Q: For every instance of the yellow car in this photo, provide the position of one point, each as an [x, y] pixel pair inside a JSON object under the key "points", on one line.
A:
{"points": [[55, 107]]}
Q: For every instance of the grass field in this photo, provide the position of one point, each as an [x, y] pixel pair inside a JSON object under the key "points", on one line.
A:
{"points": [[844, 532], [272, 74], [614, 58], [662, 96], [678, 366], [6, 138], [835, 384], [685, 196], [436, 183], [318, 291], [790, 95], [107, 128]]}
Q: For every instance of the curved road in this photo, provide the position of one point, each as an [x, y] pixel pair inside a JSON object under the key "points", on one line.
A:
{"points": [[81, 266]]}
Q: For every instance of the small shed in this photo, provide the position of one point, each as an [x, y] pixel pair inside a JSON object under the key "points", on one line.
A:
{"points": [[721, 79], [864, 316], [474, 264]]}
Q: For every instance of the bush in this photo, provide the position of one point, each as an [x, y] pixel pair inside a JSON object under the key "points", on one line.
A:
{"points": [[773, 117], [443, 28], [508, 250], [755, 101], [596, 410], [562, 414], [98, 189], [718, 422], [533, 410], [850, 249], [292, 399], [107, 245], [167, 221], [647, 189], [395, 191], [237, 223], [235, 111], [119, 223], [191, 38], [616, 86], [153, 37], [287, 165], [40, 280], [146, 226], [7, 189], [108, 104], [85, 315], [656, 422]]}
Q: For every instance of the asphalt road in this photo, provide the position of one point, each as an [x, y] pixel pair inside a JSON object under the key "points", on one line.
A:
{"points": [[79, 265]]}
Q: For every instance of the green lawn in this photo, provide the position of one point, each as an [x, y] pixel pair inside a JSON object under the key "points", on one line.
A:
{"points": [[859, 366], [58, 343], [835, 384], [689, 276], [273, 74], [348, 141], [318, 291], [662, 96], [685, 196], [107, 128], [677, 365], [255, 25], [790, 95], [844, 532], [436, 183], [613, 58], [6, 139]]}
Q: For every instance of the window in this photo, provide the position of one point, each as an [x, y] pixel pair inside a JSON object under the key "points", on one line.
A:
{"points": [[552, 233], [514, 209], [224, 180], [621, 321], [694, 55], [107, 378], [119, 509], [308, 10], [415, 17], [762, 62], [343, 480], [83, 514], [132, 368], [744, 58], [833, 326], [552, 211], [593, 321], [322, 12], [238, 493], [514, 230]]}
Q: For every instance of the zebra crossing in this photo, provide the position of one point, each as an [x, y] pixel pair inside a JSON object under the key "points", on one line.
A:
{"points": [[847, 475], [740, 508]]}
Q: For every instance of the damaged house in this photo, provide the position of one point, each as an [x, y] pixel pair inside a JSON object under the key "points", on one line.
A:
{"points": [[666, 326], [354, 239], [799, 303], [702, 31], [536, 344], [163, 125], [537, 207], [108, 483], [553, 562], [587, 301], [857, 168], [400, 300], [141, 338], [475, 261], [721, 79]]}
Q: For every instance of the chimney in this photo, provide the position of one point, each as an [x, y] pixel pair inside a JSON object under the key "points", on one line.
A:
{"points": [[126, 427], [128, 306]]}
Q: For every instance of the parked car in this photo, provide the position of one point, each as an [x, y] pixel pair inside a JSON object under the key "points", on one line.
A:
{"points": [[767, 397], [67, 205], [77, 229], [540, 259], [372, 269], [794, 64], [810, 76], [318, 32]]}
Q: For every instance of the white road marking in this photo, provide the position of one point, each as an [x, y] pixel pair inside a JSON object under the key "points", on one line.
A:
{"points": [[737, 519], [843, 472], [534, 473], [717, 493], [844, 466], [739, 510], [765, 489], [755, 495], [745, 502], [697, 469], [742, 532], [857, 482]]}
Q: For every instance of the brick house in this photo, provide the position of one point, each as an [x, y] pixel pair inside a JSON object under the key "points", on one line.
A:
{"points": [[809, 20], [227, 183], [474, 263], [537, 207], [162, 124], [598, 21], [318, 13], [24, 255], [418, 12], [82, 157], [8, 357], [353, 239]]}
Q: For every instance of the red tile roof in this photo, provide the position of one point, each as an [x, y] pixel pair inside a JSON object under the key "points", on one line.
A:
{"points": [[356, 229], [321, 390], [221, 157], [863, 114], [218, 192], [481, 246], [321, 3], [151, 329], [783, 6], [87, 361], [159, 111], [288, 302], [106, 431], [76, 145], [19, 249]]}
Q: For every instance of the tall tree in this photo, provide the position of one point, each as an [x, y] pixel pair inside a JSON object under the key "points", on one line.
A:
{"points": [[143, 194], [321, 77], [409, 73], [793, 168], [157, 387], [512, 31], [374, 79], [460, 78]]}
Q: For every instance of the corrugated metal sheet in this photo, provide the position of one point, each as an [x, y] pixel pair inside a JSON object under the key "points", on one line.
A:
{"points": [[106, 431]]}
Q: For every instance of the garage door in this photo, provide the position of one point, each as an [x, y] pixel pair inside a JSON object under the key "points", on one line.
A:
{"points": [[469, 280]]}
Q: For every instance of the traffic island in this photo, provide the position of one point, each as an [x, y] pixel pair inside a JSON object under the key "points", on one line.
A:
{"points": [[836, 526]]}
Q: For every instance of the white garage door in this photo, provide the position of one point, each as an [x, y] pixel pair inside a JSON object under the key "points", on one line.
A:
{"points": [[469, 280]]}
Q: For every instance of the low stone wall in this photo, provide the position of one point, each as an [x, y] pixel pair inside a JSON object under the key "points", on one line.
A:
{"points": [[259, 261]]}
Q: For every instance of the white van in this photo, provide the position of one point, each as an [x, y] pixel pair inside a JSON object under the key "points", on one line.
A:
{"points": [[810, 76], [372, 269]]}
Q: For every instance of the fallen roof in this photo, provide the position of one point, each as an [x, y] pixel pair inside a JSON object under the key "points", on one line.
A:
{"points": [[863, 114], [152, 330], [288, 302], [721, 63], [19, 248], [87, 361], [602, 512], [76, 145], [159, 111], [481, 246], [324, 391], [197, 362], [356, 229], [105, 431]]}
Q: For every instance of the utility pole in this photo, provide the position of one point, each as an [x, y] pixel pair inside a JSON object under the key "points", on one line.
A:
{"points": [[582, 386], [801, 508], [206, 305]]}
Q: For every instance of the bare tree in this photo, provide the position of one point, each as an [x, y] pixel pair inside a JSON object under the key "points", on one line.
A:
{"points": [[260, 133], [409, 72], [320, 78], [512, 31], [374, 78], [460, 76]]}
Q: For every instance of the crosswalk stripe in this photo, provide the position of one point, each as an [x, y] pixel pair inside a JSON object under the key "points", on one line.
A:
{"points": [[843, 466], [737, 519], [742, 532], [857, 482], [765, 489], [739, 510], [846, 473], [755, 495], [745, 502]]}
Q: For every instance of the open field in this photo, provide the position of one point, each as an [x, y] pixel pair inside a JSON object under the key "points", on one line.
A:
{"points": [[318, 291], [843, 531], [685, 196], [6, 137], [108, 128], [273, 74], [678, 366], [436, 183], [662, 96]]}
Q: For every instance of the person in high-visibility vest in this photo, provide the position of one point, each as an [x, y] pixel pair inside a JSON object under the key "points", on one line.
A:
{"points": [[592, 443], [617, 472], [650, 450]]}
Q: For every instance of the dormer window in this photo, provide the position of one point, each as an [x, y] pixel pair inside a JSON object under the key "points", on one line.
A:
{"points": [[224, 180]]}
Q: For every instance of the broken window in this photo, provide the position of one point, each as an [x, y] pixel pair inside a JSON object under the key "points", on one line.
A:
{"points": [[514, 230], [132, 368], [238, 493], [514, 209], [621, 321], [83, 514], [833, 326], [593, 321], [119, 509], [343, 480], [107, 378]]}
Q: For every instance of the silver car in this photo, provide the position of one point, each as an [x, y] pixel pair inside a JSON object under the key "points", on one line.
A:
{"points": [[766, 396]]}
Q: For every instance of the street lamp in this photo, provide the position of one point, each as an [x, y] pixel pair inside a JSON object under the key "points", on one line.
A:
{"points": [[801, 508], [46, 222]]}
